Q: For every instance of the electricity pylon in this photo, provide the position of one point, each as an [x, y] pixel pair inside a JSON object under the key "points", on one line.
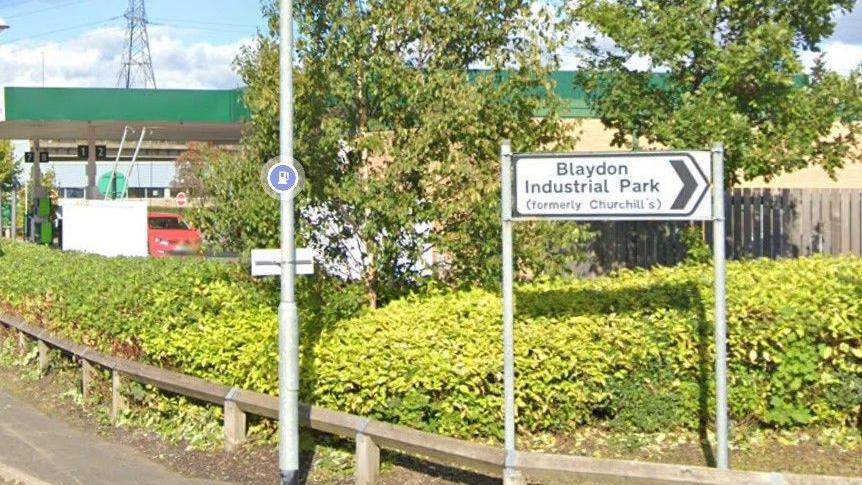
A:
{"points": [[136, 69]]}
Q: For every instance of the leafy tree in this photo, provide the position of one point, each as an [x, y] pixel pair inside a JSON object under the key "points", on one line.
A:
{"points": [[48, 184], [9, 169], [399, 139], [730, 71], [231, 210], [188, 168]]}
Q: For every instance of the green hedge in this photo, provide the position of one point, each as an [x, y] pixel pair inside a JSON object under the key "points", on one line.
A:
{"points": [[204, 318], [633, 350]]}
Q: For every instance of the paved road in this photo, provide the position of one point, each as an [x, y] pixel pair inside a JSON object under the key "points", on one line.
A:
{"points": [[39, 450]]}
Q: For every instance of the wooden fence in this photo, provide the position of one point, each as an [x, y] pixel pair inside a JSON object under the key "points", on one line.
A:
{"points": [[370, 435], [770, 223]]}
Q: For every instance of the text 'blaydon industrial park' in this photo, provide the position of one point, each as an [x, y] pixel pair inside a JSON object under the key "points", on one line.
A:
{"points": [[640, 185]]}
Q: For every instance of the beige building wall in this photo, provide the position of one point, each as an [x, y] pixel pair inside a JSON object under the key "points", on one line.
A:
{"points": [[849, 177], [592, 136]]}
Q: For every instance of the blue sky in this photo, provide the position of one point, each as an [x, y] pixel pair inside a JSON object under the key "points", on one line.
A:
{"points": [[216, 21], [850, 26], [194, 42]]}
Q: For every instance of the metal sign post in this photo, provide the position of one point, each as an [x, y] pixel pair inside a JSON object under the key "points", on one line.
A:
{"points": [[288, 321], [721, 424], [510, 474], [283, 178], [669, 185]]}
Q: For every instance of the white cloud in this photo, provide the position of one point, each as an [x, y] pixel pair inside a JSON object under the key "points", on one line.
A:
{"points": [[842, 53], [839, 56], [92, 59], [571, 57]]}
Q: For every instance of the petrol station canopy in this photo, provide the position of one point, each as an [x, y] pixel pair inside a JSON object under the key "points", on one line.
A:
{"points": [[179, 115]]}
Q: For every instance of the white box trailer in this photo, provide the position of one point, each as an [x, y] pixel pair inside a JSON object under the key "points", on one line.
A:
{"points": [[106, 227]]}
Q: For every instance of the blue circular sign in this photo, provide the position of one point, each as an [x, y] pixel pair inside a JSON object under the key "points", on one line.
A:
{"points": [[282, 178]]}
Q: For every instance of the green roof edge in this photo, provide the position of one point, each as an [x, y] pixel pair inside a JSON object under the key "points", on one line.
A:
{"points": [[109, 104]]}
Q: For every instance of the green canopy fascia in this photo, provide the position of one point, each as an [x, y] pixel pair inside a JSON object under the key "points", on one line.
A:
{"points": [[170, 114]]}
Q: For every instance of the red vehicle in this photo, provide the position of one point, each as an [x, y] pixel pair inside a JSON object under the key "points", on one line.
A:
{"points": [[169, 235]]}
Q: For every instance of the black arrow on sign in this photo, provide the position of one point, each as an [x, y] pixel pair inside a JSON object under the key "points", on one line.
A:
{"points": [[688, 185]]}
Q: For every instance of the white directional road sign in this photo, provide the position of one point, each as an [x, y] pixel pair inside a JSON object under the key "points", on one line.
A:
{"points": [[267, 262], [607, 186]]}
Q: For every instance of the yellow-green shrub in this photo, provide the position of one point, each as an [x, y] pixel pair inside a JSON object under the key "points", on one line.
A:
{"points": [[633, 350]]}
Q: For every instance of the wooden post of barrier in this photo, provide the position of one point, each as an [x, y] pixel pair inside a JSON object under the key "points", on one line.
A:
{"points": [[22, 344], [234, 423], [87, 375], [367, 460], [118, 402], [43, 357]]}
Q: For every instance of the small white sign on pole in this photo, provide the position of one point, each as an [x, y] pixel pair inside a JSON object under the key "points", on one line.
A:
{"points": [[267, 262]]}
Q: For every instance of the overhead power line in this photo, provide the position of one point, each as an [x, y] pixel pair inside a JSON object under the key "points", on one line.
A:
{"points": [[184, 21], [46, 9], [15, 4], [57, 31], [206, 29]]}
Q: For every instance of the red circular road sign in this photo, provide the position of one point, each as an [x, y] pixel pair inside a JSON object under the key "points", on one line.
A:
{"points": [[182, 199]]}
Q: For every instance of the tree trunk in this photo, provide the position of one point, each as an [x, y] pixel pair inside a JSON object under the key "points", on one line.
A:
{"points": [[370, 280]]}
